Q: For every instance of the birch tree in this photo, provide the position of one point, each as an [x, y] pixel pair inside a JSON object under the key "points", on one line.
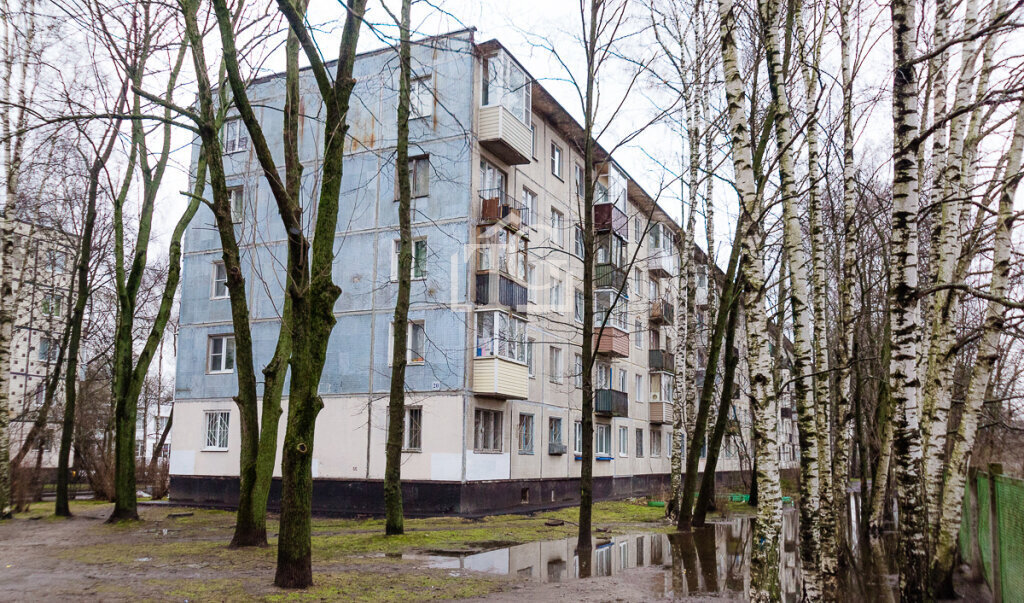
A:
{"points": [[764, 583]]}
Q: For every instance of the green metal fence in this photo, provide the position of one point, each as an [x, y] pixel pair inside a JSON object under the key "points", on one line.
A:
{"points": [[992, 531]]}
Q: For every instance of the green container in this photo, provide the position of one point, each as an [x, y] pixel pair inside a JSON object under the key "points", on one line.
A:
{"points": [[655, 503]]}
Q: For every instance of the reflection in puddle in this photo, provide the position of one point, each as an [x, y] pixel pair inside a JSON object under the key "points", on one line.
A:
{"points": [[707, 560], [713, 560]]}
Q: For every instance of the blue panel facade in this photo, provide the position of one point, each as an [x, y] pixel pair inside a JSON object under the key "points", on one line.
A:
{"points": [[357, 355]]}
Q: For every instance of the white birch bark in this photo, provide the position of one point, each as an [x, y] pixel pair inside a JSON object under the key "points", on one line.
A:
{"points": [[904, 312], [796, 256], [764, 577], [938, 384], [988, 353], [17, 91]]}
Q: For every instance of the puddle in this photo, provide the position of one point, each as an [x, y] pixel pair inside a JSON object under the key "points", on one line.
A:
{"points": [[713, 560]]}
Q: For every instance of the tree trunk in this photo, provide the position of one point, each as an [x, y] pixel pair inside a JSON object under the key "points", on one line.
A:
{"points": [[396, 405], [705, 499], [988, 352], [904, 312], [811, 528], [764, 577]]}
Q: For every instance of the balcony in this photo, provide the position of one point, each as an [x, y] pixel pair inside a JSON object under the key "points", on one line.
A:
{"points": [[610, 276], [662, 264], [505, 135], [613, 341], [500, 378], [496, 288], [662, 312], [498, 206], [608, 217], [661, 412], [611, 403], [661, 361]]}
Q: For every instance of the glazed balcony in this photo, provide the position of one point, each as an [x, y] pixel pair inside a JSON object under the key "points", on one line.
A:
{"points": [[611, 403], [661, 361], [500, 378], [661, 412], [662, 312], [608, 217], [495, 288], [505, 135]]}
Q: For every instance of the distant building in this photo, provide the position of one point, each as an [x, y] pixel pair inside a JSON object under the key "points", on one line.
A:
{"points": [[493, 404], [42, 269]]}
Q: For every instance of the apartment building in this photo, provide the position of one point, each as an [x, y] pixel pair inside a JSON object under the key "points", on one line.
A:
{"points": [[42, 266], [493, 403]]}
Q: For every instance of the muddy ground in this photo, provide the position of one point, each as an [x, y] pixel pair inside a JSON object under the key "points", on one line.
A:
{"points": [[186, 558]]}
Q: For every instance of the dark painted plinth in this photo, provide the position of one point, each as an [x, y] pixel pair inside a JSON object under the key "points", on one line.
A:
{"points": [[341, 497]]}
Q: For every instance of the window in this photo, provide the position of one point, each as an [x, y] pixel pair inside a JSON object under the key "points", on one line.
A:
{"points": [[579, 306], [236, 137], [161, 424], [419, 259], [47, 350], [577, 370], [555, 430], [556, 161], [419, 177], [415, 342], [577, 438], [505, 83], [604, 376], [236, 195], [554, 364], [557, 298], [623, 441], [413, 436], [487, 430], [639, 384], [655, 443], [421, 97], [525, 433], [623, 382], [639, 443], [217, 429], [221, 354], [500, 334], [531, 369], [533, 141], [577, 177], [638, 229], [580, 246], [603, 440], [557, 223], [637, 282], [55, 261], [51, 304], [638, 334], [220, 281], [529, 206], [531, 283]]}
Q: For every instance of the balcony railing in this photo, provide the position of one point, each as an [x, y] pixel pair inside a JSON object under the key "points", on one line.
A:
{"points": [[661, 360], [662, 263], [492, 287], [498, 206], [613, 341], [611, 403], [610, 276], [662, 312], [661, 412], [609, 217], [505, 135]]}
